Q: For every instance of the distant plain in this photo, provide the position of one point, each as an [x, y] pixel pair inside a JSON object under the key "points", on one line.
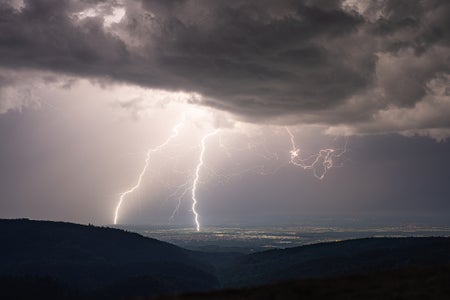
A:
{"points": [[254, 238]]}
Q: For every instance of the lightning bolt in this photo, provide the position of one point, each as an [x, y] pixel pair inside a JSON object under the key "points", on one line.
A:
{"points": [[123, 195], [325, 158], [319, 163], [197, 175], [179, 194]]}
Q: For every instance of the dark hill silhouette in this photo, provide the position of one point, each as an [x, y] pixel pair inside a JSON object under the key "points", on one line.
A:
{"points": [[349, 257], [72, 261], [407, 284], [90, 257]]}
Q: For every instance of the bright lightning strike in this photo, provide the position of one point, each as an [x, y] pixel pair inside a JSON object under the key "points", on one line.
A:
{"points": [[197, 175], [319, 163], [175, 132], [324, 159]]}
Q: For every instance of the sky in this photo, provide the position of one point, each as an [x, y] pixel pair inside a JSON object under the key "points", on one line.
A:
{"points": [[199, 112]]}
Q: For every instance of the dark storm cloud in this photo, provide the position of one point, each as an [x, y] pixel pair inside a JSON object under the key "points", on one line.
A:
{"points": [[349, 64], [258, 58], [43, 36]]}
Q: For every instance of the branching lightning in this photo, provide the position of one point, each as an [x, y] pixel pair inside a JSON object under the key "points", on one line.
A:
{"points": [[323, 160], [175, 132], [179, 194], [197, 176], [319, 163]]}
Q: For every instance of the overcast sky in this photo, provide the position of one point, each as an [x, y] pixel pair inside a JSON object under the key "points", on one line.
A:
{"points": [[323, 108]]}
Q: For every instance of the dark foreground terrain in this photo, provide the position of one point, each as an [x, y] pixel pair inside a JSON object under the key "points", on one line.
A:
{"points": [[97, 261], [55, 260], [411, 284]]}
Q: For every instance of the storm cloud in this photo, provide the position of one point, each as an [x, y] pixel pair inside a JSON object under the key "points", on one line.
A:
{"points": [[356, 67]]}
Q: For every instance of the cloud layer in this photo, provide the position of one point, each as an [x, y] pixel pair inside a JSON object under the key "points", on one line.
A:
{"points": [[354, 66]]}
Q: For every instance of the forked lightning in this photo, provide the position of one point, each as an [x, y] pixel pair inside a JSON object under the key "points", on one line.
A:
{"points": [[175, 132], [319, 163], [323, 160]]}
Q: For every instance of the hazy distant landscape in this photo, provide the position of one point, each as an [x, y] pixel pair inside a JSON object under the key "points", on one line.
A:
{"points": [[252, 238]]}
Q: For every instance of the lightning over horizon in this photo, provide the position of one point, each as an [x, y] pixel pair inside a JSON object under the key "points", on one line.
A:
{"points": [[175, 132], [197, 176], [319, 163], [89, 101]]}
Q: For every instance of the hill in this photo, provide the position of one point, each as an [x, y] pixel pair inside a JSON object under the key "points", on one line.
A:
{"points": [[407, 284], [93, 258], [71, 261], [344, 258]]}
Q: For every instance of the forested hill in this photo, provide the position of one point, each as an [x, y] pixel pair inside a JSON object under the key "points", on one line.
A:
{"points": [[78, 261], [94, 258], [360, 256]]}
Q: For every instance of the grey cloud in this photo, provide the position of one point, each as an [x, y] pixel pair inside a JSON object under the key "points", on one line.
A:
{"points": [[43, 36], [338, 63], [19, 90]]}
